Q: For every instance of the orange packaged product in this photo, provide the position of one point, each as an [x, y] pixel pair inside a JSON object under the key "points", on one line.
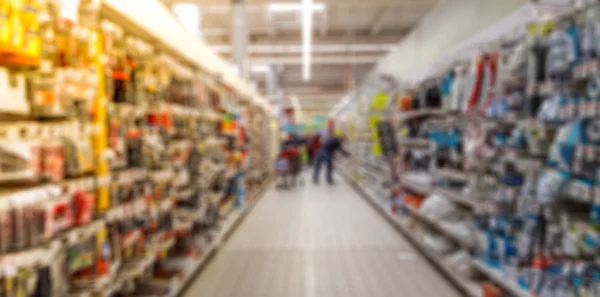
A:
{"points": [[405, 103], [491, 290], [413, 201]]}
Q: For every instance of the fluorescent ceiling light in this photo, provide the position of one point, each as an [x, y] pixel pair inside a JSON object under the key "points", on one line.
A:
{"points": [[294, 7], [306, 38], [260, 68], [189, 16]]}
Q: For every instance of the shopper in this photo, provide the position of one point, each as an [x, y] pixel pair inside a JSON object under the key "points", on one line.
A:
{"points": [[314, 144], [325, 157]]}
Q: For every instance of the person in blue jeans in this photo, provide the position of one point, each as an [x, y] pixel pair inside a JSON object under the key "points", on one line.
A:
{"points": [[325, 157]]}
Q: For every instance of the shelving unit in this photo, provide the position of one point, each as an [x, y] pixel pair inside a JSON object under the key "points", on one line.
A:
{"points": [[498, 162], [194, 266], [499, 278], [127, 161], [469, 288]]}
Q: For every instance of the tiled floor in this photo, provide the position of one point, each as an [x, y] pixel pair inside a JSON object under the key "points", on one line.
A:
{"points": [[317, 241]]}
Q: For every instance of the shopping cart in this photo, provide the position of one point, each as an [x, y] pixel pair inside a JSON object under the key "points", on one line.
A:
{"points": [[289, 168]]}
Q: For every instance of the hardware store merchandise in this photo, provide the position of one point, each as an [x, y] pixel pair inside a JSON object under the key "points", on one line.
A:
{"points": [[220, 148]]}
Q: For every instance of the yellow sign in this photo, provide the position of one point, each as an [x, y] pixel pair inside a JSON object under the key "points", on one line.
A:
{"points": [[376, 146], [380, 101], [540, 29]]}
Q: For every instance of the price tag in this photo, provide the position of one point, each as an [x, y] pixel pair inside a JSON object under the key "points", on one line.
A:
{"points": [[586, 193], [582, 108], [580, 191], [593, 67], [590, 153], [140, 206], [8, 267], [128, 209], [577, 167], [579, 71], [74, 235], [579, 152]]}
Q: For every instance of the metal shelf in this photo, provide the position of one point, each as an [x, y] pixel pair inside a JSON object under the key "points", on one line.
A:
{"points": [[234, 218], [468, 287], [421, 113], [415, 187], [499, 278], [443, 230], [456, 197], [414, 142], [452, 174]]}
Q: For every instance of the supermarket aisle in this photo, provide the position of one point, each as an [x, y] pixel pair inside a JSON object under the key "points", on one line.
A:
{"points": [[317, 241]]}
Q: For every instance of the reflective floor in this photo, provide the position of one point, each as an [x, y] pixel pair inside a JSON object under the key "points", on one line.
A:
{"points": [[322, 241]]}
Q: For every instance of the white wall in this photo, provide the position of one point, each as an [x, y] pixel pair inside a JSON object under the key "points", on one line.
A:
{"points": [[443, 29]]}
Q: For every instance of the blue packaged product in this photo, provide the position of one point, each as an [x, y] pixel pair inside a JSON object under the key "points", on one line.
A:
{"points": [[595, 213], [550, 185], [574, 42], [566, 105], [499, 108], [590, 130], [596, 283], [593, 88], [563, 52], [553, 281], [491, 255], [523, 279], [446, 84], [508, 249], [550, 111], [518, 139], [580, 188], [562, 150]]}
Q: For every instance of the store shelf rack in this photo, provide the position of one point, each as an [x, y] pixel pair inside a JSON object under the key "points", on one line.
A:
{"points": [[498, 277], [456, 197], [467, 287], [195, 266]]}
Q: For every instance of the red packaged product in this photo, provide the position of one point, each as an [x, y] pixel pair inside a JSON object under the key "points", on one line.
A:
{"points": [[53, 162], [59, 217], [83, 207]]}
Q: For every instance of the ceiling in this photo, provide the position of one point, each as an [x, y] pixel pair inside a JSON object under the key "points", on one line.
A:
{"points": [[350, 36]]}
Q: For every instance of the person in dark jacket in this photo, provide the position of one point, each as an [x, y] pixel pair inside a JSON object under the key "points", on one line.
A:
{"points": [[325, 157]]}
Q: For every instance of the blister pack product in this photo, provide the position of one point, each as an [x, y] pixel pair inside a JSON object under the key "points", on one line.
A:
{"points": [[590, 34], [478, 83], [457, 94], [83, 207], [117, 142], [135, 158], [53, 161], [35, 220], [81, 259], [562, 150], [6, 226], [437, 207], [563, 52], [498, 108], [121, 75], [25, 159], [59, 216], [550, 185], [79, 156]]}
